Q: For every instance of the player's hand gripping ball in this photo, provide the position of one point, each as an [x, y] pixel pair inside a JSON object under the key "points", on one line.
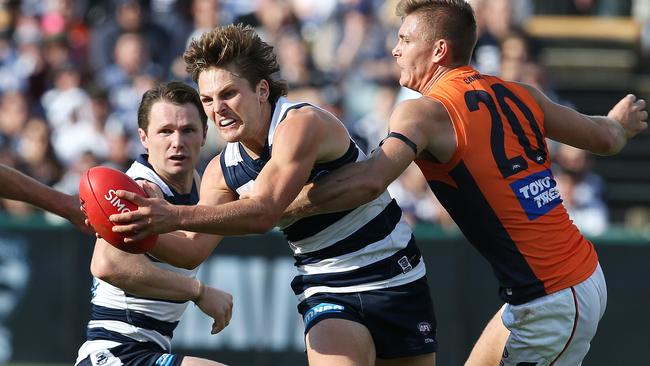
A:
{"points": [[98, 201]]}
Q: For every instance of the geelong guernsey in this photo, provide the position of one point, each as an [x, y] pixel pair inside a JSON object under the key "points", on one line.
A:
{"points": [[118, 317], [367, 248]]}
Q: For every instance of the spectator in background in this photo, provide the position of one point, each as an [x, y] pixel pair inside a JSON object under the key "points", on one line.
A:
{"points": [[64, 18], [271, 18], [581, 189], [69, 112], [515, 55], [37, 153], [129, 17], [14, 114], [69, 183], [203, 15], [126, 79]]}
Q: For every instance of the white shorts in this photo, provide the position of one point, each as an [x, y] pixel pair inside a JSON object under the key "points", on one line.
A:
{"points": [[555, 329]]}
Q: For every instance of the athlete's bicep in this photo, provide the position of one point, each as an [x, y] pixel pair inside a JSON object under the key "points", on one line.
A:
{"points": [[214, 190], [295, 150], [406, 139]]}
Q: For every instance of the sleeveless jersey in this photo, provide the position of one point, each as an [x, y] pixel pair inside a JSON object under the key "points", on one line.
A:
{"points": [[118, 317], [500, 190], [367, 248]]}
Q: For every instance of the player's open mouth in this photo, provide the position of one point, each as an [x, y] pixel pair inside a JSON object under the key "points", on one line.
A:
{"points": [[226, 122], [177, 157]]}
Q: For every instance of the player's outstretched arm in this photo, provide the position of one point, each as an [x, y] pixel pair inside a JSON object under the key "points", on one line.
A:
{"points": [[135, 274], [18, 186], [297, 144], [602, 135], [361, 182]]}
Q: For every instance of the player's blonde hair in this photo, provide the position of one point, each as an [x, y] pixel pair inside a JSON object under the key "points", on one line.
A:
{"points": [[240, 47]]}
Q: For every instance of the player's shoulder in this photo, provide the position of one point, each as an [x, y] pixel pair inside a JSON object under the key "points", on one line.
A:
{"points": [[214, 165], [422, 109], [307, 112], [421, 105]]}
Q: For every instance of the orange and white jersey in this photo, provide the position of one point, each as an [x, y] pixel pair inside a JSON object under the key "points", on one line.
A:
{"points": [[500, 190]]}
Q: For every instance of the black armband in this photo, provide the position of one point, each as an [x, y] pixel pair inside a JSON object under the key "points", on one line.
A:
{"points": [[402, 138]]}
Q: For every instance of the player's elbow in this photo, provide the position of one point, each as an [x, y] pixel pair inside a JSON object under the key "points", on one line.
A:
{"points": [[105, 269], [191, 260], [191, 263]]}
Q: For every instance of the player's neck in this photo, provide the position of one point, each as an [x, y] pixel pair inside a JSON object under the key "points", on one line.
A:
{"points": [[437, 75], [255, 144], [181, 183]]}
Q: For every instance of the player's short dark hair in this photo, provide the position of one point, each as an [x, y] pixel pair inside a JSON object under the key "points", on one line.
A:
{"points": [[174, 92], [452, 20], [238, 46]]}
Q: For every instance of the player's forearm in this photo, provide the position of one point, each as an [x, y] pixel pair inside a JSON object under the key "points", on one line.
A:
{"points": [[147, 280], [18, 186], [246, 216], [339, 191], [136, 274], [184, 250]]}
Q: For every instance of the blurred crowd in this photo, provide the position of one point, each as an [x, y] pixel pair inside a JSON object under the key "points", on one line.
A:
{"points": [[72, 73]]}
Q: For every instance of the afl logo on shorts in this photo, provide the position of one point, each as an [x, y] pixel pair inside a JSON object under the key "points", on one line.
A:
{"points": [[101, 358], [424, 328]]}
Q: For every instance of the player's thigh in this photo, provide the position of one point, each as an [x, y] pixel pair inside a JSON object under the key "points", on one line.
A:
{"points": [[195, 361], [489, 347], [428, 359], [558, 328], [340, 342]]}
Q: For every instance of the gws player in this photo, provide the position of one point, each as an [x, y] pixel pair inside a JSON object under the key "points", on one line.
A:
{"points": [[361, 279], [138, 299]]}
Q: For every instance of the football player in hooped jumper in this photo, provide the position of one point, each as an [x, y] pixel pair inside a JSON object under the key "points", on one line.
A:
{"points": [[138, 299]]}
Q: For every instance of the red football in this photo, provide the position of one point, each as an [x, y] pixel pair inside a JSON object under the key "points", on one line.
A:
{"points": [[98, 199]]}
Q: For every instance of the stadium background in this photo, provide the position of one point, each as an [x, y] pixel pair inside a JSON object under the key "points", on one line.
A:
{"points": [[71, 75]]}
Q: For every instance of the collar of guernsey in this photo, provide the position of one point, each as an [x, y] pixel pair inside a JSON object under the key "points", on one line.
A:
{"points": [[451, 74]]}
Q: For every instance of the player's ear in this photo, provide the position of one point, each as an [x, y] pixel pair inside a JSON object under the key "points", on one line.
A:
{"points": [[440, 50], [263, 90], [205, 134], [143, 138]]}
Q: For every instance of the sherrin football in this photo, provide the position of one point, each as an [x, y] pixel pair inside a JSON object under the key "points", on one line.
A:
{"points": [[99, 201]]}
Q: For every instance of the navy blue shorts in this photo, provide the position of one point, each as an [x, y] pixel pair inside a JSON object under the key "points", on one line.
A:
{"points": [[133, 354], [400, 319]]}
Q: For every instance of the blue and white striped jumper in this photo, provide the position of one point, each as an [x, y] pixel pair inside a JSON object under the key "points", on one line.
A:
{"points": [[367, 248], [118, 317]]}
